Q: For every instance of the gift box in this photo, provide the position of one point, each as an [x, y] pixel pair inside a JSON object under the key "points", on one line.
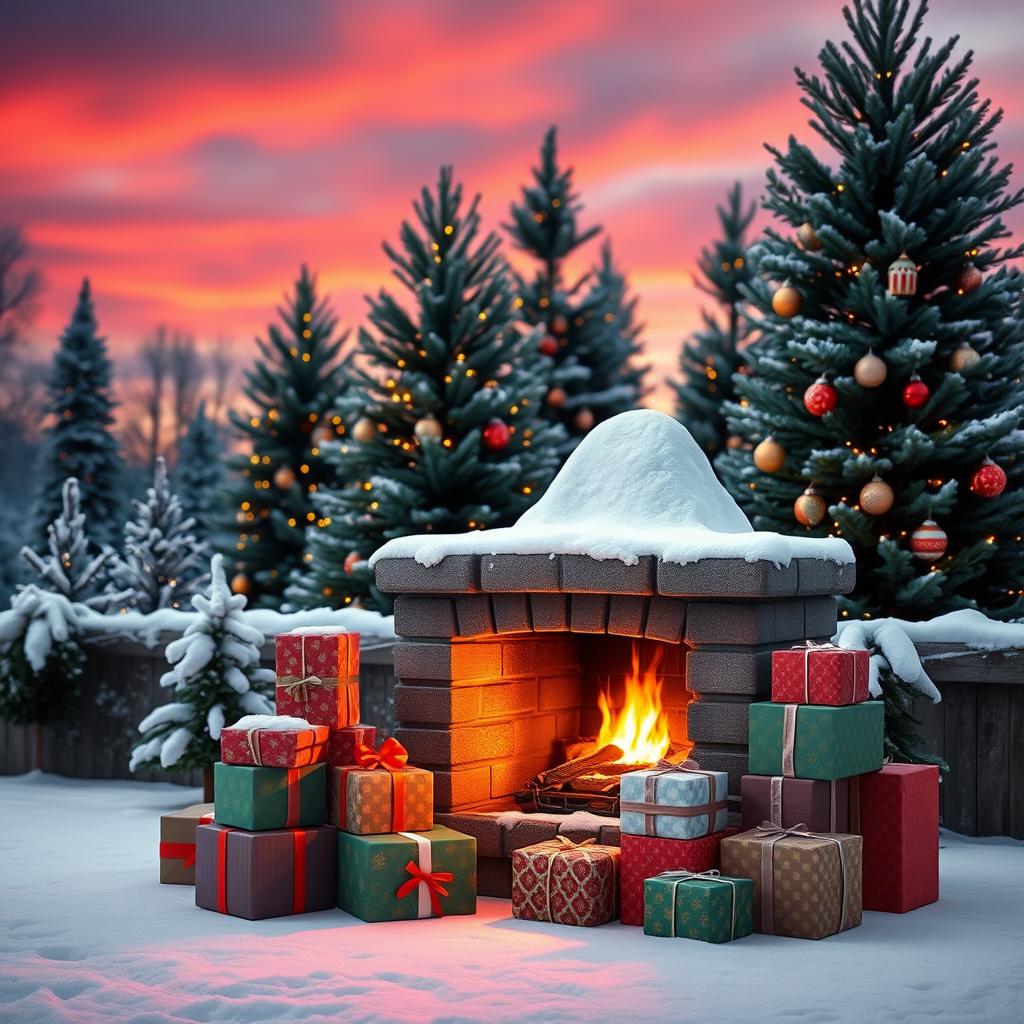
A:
{"points": [[807, 885], [269, 798], [318, 675], [673, 801], [178, 843], [343, 743], [823, 806], [820, 674], [899, 821], [381, 794], [407, 875], [807, 741], [646, 856], [710, 907], [269, 741], [566, 882], [265, 874]]}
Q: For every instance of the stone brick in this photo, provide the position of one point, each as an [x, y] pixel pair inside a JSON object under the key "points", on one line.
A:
{"points": [[743, 671], [483, 826], [727, 577], [509, 776], [425, 616], [674, 692], [585, 575], [494, 877], [626, 615], [455, 663], [666, 618], [820, 576], [520, 656], [462, 788], [535, 735], [604, 655], [510, 698], [454, 574], [721, 758], [734, 623], [676, 718], [577, 831], [713, 721], [549, 612], [568, 724], [590, 721], [441, 747], [559, 692], [441, 704], [473, 615], [819, 617], [527, 829], [589, 613], [511, 613], [519, 573], [558, 654]]}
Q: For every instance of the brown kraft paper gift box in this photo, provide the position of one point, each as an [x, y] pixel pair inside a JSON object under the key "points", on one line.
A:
{"points": [[178, 843], [815, 879]]}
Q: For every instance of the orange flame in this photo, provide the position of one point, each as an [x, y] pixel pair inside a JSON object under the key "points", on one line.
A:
{"points": [[639, 728]]}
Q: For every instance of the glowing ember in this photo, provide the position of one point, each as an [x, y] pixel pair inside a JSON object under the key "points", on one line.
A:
{"points": [[638, 727]]}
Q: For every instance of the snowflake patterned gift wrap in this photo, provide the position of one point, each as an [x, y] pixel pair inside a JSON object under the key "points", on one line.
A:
{"points": [[178, 843], [318, 676], [258, 799], [265, 874], [566, 882], [709, 906], [808, 741], [820, 674], [406, 875], [269, 741], [806, 884], [673, 801]]}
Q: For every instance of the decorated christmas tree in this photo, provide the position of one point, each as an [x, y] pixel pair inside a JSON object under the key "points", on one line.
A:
{"points": [[200, 471], [712, 355], [293, 392], [216, 678], [161, 564], [79, 443], [445, 434], [589, 341], [884, 387]]}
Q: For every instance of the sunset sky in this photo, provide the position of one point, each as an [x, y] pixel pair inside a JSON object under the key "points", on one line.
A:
{"points": [[188, 156]]}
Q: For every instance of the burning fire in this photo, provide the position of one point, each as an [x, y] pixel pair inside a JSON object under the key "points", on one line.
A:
{"points": [[639, 727]]}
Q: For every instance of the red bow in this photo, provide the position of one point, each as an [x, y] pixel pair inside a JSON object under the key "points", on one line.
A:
{"points": [[432, 881], [179, 851], [390, 755]]}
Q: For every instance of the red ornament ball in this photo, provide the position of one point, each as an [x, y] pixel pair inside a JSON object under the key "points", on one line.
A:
{"points": [[350, 561], [584, 419], [968, 279], [988, 480], [929, 541], [559, 325], [820, 397], [548, 345], [916, 393], [556, 398], [496, 435]]}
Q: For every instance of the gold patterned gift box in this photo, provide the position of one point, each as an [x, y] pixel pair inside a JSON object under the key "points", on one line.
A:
{"points": [[705, 905]]}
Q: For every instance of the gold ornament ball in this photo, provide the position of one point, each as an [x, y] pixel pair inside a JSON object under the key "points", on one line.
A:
{"points": [[963, 358], [876, 497], [364, 430], [557, 398], [808, 237], [323, 435], [240, 584], [809, 508], [428, 427], [787, 301], [734, 441], [870, 371], [769, 456], [584, 419], [284, 478]]}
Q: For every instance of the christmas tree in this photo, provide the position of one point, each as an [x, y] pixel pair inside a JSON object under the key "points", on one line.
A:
{"points": [[445, 433], [293, 391], [79, 443], [711, 357], [200, 471], [589, 341], [216, 678], [884, 385], [162, 564]]}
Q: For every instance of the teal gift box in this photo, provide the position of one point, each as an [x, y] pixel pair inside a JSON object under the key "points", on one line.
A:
{"points": [[811, 741], [258, 799], [709, 907]]}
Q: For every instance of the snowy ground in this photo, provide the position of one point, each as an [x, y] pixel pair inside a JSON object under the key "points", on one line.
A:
{"points": [[87, 934]]}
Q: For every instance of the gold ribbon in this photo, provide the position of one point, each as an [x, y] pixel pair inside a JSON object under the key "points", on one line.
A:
{"points": [[566, 845], [299, 687], [714, 875], [810, 647], [252, 736]]}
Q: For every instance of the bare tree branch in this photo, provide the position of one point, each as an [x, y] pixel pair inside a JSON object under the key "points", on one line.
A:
{"points": [[19, 285]]}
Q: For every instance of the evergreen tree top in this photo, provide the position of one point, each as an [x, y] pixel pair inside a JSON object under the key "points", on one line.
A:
{"points": [[723, 264]]}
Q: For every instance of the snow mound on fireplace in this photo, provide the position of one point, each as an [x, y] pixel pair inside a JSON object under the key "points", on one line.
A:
{"points": [[638, 484]]}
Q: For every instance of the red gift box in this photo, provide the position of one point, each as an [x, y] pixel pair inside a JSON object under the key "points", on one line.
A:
{"points": [[898, 810], [644, 857], [343, 744], [318, 677], [565, 882], [265, 747], [820, 674]]}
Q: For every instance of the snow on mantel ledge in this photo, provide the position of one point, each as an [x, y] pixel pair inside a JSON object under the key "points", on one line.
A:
{"points": [[637, 485]]}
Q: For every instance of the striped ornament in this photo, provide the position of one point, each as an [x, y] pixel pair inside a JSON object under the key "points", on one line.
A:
{"points": [[902, 276], [929, 541]]}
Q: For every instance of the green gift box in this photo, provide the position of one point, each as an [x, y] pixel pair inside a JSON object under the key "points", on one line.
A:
{"points": [[258, 799], [406, 875], [711, 908], [812, 741]]}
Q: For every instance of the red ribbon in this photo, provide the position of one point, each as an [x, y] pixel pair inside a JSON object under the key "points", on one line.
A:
{"points": [[294, 798], [299, 839], [390, 755], [432, 880], [185, 852], [222, 869]]}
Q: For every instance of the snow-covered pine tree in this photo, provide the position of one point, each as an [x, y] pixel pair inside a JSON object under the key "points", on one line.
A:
{"points": [[79, 443], [444, 434], [893, 345], [711, 356], [199, 474], [590, 341], [162, 564], [293, 392], [216, 678]]}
